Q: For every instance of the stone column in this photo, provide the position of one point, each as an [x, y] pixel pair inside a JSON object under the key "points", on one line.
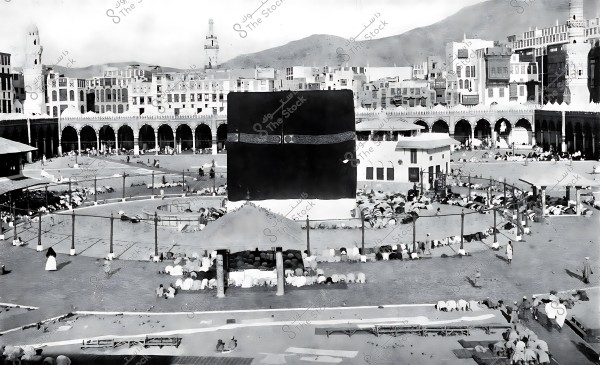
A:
{"points": [[59, 144], [578, 200], [136, 145], [494, 138], [117, 142], [371, 135], [98, 142], [574, 142], [156, 148], [563, 146], [593, 145], [220, 277], [214, 144], [472, 134], [175, 141], [193, 141], [79, 143], [51, 147], [280, 273], [568, 192], [543, 201]]}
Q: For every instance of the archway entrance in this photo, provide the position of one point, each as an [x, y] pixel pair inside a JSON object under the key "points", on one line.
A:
{"points": [[68, 139], [440, 127], [146, 138]]}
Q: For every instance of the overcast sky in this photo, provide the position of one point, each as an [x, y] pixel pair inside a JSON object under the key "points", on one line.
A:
{"points": [[172, 33]]}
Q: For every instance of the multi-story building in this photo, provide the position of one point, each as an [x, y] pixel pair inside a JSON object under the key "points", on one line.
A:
{"points": [[462, 61], [561, 52], [18, 91], [110, 90], [391, 92], [64, 92], [495, 66], [420, 70], [6, 88], [196, 92], [592, 30]]}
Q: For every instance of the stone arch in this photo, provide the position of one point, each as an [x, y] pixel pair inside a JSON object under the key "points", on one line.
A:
{"points": [[462, 131], [203, 136], [146, 137], [483, 131], [221, 136], [423, 124], [87, 135], [106, 134], [68, 138], [165, 136], [503, 129], [126, 137], [183, 136], [522, 133], [440, 126]]}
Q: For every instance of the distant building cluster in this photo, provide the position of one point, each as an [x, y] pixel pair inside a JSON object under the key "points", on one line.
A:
{"points": [[560, 63]]}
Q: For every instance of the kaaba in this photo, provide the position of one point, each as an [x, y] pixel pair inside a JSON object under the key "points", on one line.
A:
{"points": [[290, 145]]}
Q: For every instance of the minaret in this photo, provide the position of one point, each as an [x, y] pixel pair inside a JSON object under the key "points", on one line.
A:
{"points": [[211, 47], [576, 90], [33, 79]]}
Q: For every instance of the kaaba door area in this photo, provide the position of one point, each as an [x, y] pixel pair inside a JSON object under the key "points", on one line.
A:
{"points": [[291, 146]]}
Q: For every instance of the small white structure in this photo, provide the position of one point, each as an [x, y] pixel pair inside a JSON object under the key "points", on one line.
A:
{"points": [[403, 160]]}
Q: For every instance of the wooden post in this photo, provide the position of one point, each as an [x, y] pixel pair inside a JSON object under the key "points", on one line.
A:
{"points": [[362, 219], [155, 236], [307, 236], [46, 195], [124, 174], [469, 196], [72, 252], [183, 181], [95, 190], [495, 237], [70, 193], [153, 184], [504, 183], [462, 229], [14, 222], [414, 229], [111, 254], [39, 244]]}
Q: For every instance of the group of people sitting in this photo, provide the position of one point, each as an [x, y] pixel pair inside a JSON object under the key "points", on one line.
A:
{"points": [[29, 355], [168, 293], [221, 345], [522, 347], [453, 305]]}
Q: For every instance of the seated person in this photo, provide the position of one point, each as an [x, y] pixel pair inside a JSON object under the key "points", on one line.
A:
{"points": [[220, 346], [170, 294], [160, 291]]}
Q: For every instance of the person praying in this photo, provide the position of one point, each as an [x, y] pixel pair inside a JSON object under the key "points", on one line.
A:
{"points": [[587, 270], [50, 260]]}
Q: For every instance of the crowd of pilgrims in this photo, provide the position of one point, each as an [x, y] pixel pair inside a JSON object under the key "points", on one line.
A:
{"points": [[29, 355]]}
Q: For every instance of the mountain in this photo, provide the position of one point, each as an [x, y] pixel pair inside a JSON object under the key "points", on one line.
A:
{"points": [[490, 20], [98, 70]]}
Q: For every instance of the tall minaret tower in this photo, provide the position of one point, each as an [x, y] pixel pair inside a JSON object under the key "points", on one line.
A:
{"points": [[211, 47], [33, 74], [576, 90]]}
